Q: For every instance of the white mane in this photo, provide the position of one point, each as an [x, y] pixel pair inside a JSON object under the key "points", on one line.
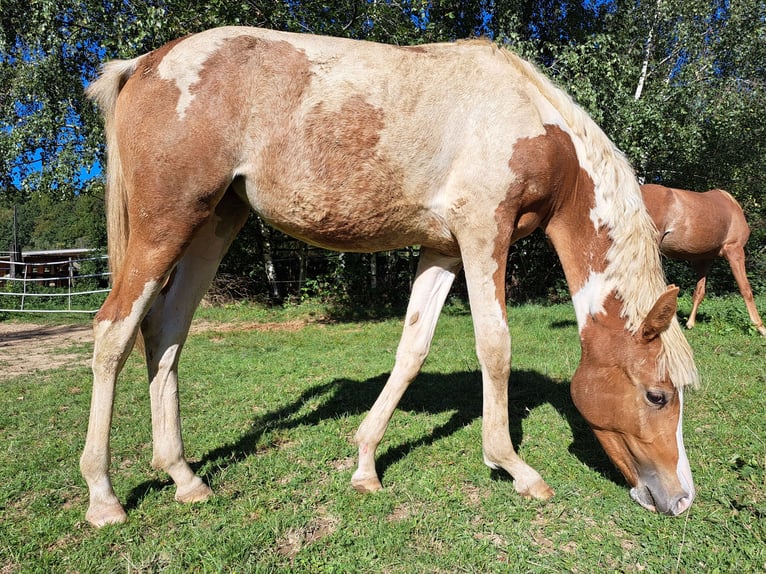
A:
{"points": [[633, 261]]}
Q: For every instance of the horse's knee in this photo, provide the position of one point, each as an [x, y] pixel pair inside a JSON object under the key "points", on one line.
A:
{"points": [[495, 359]]}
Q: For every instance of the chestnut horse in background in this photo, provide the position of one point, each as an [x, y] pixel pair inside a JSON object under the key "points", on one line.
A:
{"points": [[460, 148], [699, 227]]}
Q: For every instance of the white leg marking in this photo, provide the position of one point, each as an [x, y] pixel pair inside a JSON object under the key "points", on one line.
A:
{"points": [[493, 348], [112, 345], [432, 284]]}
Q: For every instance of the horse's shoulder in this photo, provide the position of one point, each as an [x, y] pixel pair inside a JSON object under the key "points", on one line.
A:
{"points": [[658, 200]]}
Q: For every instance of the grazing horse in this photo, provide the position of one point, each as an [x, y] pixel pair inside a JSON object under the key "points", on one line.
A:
{"points": [[699, 227], [461, 148]]}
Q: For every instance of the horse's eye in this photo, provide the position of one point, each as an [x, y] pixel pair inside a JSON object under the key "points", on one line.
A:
{"points": [[657, 398]]}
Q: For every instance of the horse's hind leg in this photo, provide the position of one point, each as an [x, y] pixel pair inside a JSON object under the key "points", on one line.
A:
{"points": [[165, 329], [151, 254], [136, 285], [735, 255], [701, 269], [432, 284]]}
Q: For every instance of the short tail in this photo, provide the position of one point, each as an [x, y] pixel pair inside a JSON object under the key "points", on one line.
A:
{"points": [[104, 92]]}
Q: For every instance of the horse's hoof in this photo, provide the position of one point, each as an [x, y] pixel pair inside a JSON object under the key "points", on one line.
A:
{"points": [[369, 484], [197, 492], [538, 490], [106, 514]]}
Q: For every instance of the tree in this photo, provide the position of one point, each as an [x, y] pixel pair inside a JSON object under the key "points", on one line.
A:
{"points": [[678, 84], [695, 123]]}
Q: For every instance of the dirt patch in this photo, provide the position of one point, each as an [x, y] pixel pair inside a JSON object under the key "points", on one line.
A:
{"points": [[294, 539], [27, 347]]}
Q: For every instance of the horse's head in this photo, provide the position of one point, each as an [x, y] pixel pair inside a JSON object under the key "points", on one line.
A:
{"points": [[624, 392]]}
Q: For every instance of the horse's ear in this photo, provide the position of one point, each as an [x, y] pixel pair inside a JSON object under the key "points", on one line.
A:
{"points": [[661, 315]]}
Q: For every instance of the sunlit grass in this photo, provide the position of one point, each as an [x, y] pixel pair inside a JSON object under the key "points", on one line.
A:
{"points": [[269, 417]]}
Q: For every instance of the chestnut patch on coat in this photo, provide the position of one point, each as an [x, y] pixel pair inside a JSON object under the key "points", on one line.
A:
{"points": [[179, 167], [550, 190], [329, 181]]}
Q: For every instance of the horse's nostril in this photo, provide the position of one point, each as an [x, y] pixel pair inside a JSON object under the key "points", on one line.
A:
{"points": [[682, 505]]}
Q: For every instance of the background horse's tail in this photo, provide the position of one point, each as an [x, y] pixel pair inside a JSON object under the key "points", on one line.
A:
{"points": [[104, 92]]}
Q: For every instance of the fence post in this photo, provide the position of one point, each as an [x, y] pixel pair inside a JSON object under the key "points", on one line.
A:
{"points": [[15, 249], [15, 259], [24, 286], [70, 284]]}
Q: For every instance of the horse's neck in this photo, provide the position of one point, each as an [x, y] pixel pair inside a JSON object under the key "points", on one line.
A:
{"points": [[582, 251]]}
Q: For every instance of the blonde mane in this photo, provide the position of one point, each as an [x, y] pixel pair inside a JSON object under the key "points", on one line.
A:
{"points": [[633, 261]]}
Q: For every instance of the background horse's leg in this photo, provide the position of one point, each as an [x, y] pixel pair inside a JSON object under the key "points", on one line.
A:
{"points": [[432, 283], [701, 269], [735, 255], [136, 284], [165, 329], [493, 347]]}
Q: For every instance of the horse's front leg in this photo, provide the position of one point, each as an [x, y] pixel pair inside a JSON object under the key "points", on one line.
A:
{"points": [[432, 284], [493, 348], [701, 269]]}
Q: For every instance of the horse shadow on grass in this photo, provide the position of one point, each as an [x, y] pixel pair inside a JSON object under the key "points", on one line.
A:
{"points": [[459, 393]]}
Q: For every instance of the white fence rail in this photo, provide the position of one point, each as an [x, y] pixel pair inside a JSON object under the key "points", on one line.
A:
{"points": [[59, 288]]}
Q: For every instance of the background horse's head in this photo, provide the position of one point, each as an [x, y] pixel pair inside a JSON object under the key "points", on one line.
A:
{"points": [[623, 390]]}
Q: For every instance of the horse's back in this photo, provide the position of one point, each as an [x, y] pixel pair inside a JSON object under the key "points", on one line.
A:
{"points": [[715, 210], [695, 225], [345, 144]]}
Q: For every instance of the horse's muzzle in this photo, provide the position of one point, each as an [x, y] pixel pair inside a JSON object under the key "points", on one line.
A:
{"points": [[672, 506]]}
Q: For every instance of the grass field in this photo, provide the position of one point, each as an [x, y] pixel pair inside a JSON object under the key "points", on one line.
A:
{"points": [[269, 414]]}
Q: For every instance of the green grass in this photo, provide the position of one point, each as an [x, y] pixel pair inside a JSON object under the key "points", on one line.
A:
{"points": [[269, 417]]}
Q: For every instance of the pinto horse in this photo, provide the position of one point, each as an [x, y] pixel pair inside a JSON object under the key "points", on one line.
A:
{"points": [[699, 227], [461, 148]]}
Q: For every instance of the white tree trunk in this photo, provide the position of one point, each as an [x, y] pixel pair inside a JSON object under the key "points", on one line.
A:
{"points": [[647, 54], [268, 263]]}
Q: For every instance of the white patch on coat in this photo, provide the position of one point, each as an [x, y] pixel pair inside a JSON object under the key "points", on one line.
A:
{"points": [[184, 62], [683, 470], [589, 300]]}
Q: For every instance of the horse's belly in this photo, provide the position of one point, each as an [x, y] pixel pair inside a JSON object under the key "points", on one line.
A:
{"points": [[362, 220], [687, 248]]}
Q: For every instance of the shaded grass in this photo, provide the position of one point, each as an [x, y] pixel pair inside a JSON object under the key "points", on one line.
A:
{"points": [[269, 418]]}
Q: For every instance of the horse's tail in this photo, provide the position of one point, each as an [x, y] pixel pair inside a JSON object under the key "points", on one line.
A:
{"points": [[104, 92]]}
